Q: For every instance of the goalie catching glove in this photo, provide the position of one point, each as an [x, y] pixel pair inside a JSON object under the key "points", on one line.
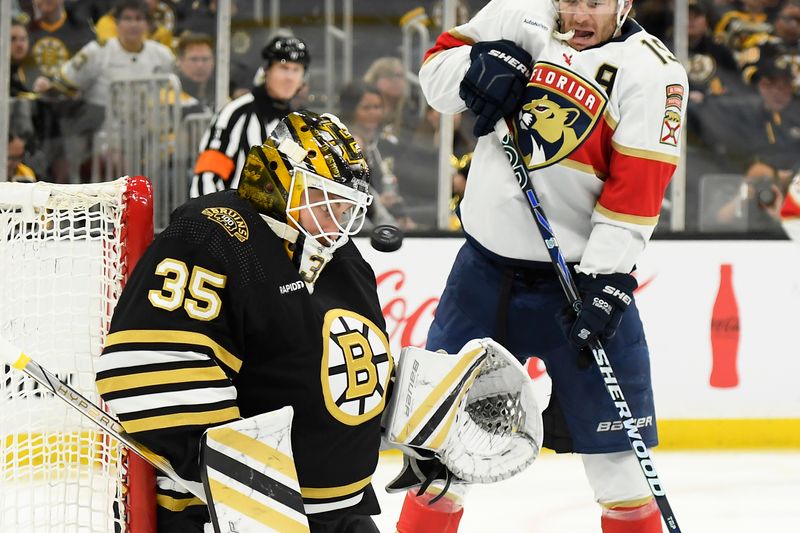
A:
{"points": [[475, 410]]}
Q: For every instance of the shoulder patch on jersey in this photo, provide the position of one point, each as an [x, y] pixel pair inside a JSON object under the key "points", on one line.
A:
{"points": [[229, 219], [672, 115], [356, 367], [560, 111]]}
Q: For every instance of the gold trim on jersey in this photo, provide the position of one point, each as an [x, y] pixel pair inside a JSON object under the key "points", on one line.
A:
{"points": [[258, 450], [254, 509], [157, 336], [159, 377], [581, 167], [335, 492], [628, 503], [622, 217], [177, 505], [203, 418], [453, 33], [645, 154]]}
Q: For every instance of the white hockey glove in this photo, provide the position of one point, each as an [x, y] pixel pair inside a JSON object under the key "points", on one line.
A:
{"points": [[474, 410]]}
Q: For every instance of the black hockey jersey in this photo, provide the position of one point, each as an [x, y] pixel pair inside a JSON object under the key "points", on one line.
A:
{"points": [[215, 324]]}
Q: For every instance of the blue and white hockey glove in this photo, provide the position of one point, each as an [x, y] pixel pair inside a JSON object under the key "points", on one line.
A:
{"points": [[605, 299], [495, 81]]}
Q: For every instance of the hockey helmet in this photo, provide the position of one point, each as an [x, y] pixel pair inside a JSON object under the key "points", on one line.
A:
{"points": [[309, 151], [286, 49]]}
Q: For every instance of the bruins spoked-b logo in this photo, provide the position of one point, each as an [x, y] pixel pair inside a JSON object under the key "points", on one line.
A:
{"points": [[559, 112], [356, 367]]}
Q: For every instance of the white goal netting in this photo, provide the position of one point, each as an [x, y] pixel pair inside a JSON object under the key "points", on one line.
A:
{"points": [[63, 261]]}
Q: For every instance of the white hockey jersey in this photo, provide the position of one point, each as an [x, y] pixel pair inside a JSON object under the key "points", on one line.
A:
{"points": [[790, 212], [92, 69], [599, 129]]}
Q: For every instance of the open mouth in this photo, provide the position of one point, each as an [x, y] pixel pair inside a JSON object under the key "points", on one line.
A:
{"points": [[583, 35]]}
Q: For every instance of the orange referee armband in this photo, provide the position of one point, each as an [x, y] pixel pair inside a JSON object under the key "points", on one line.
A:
{"points": [[216, 162]]}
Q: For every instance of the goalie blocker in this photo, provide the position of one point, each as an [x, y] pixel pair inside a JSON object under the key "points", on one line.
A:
{"points": [[475, 410]]}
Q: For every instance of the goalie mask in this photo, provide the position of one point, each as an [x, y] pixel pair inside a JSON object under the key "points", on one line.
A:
{"points": [[310, 182]]}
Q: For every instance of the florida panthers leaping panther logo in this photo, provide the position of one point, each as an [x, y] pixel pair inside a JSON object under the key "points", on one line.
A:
{"points": [[560, 112]]}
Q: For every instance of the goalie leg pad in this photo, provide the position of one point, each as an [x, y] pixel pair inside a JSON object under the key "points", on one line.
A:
{"points": [[249, 475]]}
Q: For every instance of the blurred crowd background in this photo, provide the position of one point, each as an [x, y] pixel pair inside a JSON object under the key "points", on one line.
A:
{"points": [[76, 115]]}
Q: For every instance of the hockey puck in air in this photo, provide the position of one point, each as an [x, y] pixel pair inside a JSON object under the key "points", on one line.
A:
{"points": [[386, 238]]}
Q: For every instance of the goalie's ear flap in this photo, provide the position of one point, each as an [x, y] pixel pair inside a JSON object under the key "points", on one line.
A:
{"points": [[249, 476]]}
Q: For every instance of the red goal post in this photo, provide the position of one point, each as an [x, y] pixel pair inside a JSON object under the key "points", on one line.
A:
{"points": [[65, 253]]}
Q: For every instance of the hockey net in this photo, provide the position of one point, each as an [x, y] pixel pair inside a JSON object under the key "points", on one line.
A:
{"points": [[65, 251]]}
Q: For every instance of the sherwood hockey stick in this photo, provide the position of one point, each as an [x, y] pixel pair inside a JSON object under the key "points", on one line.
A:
{"points": [[238, 460], [571, 291], [16, 358]]}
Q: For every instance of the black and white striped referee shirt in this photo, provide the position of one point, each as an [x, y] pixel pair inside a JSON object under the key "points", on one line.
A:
{"points": [[242, 123]]}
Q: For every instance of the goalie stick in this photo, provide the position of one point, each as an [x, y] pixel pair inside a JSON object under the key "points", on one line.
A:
{"points": [[16, 358], [246, 449], [571, 292]]}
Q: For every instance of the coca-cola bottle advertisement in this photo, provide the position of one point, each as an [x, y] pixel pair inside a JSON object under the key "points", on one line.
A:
{"points": [[725, 332]]}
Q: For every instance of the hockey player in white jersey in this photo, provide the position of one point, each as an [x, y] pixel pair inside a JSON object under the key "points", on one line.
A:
{"points": [[596, 106]]}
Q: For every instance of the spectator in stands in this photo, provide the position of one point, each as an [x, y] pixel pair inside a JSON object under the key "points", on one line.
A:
{"points": [[712, 68], [16, 170], [362, 108], [784, 43], [23, 68], [389, 75], [89, 74], [248, 120], [759, 204], [160, 24], [767, 128], [740, 29], [196, 69], [55, 37]]}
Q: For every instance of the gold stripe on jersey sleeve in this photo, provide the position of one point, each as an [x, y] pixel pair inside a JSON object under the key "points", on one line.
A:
{"points": [[156, 336], [203, 418], [610, 120], [254, 509], [622, 217], [335, 492], [258, 450], [581, 167], [161, 377], [177, 505], [645, 154]]}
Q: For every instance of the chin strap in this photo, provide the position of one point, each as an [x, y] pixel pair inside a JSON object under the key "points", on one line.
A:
{"points": [[312, 257]]}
